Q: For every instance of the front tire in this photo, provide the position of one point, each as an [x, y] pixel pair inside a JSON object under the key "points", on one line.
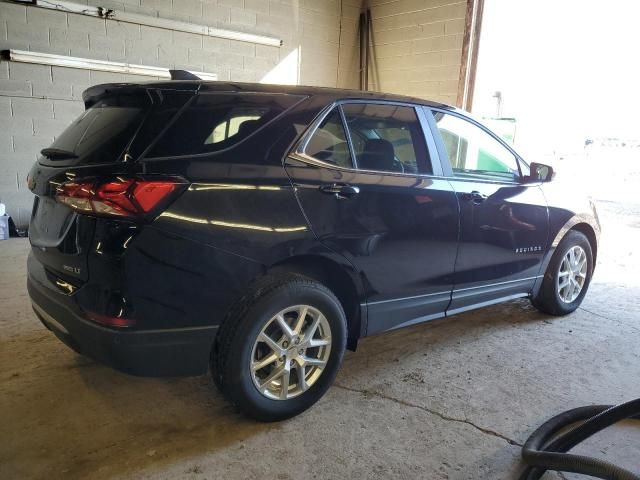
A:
{"points": [[567, 277], [280, 347]]}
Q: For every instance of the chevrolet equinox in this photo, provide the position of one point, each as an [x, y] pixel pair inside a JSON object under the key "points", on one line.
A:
{"points": [[257, 231]]}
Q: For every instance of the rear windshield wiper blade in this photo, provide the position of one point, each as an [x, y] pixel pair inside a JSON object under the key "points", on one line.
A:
{"points": [[57, 153]]}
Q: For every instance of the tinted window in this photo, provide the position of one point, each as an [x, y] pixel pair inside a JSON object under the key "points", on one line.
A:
{"points": [[101, 133], [386, 137], [219, 121], [329, 142], [474, 152], [166, 104]]}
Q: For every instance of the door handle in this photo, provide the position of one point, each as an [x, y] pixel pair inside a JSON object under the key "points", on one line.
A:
{"points": [[476, 197], [340, 190]]}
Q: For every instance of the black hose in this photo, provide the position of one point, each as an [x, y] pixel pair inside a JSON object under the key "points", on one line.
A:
{"points": [[546, 449]]}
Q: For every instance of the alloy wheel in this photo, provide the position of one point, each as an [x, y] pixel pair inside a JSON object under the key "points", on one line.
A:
{"points": [[291, 352], [572, 274]]}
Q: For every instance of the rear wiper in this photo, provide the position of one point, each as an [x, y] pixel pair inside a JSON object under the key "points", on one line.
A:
{"points": [[57, 153]]}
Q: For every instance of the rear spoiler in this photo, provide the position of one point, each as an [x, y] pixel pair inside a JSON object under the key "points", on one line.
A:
{"points": [[94, 94]]}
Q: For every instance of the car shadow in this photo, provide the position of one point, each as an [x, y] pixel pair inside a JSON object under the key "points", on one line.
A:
{"points": [[68, 416], [82, 415]]}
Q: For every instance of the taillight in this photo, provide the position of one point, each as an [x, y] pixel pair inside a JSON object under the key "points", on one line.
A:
{"points": [[121, 197]]}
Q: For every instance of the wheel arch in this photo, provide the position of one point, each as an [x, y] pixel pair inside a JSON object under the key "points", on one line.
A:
{"points": [[579, 223], [335, 277], [588, 231]]}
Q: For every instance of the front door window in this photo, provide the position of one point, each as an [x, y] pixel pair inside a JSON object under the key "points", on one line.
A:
{"points": [[473, 152]]}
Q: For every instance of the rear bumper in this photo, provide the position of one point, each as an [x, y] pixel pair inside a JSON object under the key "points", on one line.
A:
{"points": [[167, 352]]}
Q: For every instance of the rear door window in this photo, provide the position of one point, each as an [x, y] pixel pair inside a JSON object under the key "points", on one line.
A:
{"points": [[329, 142], [215, 122], [387, 137]]}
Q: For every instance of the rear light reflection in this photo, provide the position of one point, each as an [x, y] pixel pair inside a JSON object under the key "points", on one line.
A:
{"points": [[110, 321], [122, 197]]}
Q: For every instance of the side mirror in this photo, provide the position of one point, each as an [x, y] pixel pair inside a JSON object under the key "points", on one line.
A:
{"points": [[539, 172]]}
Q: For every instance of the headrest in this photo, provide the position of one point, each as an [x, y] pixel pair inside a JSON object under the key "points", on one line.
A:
{"points": [[377, 154], [247, 127]]}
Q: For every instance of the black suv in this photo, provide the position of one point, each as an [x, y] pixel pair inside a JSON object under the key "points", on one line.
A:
{"points": [[258, 231]]}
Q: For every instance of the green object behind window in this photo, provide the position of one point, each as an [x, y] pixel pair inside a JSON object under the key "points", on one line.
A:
{"points": [[489, 163]]}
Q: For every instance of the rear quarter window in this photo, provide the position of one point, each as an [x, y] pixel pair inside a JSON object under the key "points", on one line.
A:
{"points": [[102, 132], [216, 122]]}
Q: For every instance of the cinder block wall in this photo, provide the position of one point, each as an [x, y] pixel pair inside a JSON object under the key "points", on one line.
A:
{"points": [[417, 47], [37, 102]]}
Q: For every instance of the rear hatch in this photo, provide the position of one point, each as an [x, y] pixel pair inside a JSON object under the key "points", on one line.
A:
{"points": [[104, 141]]}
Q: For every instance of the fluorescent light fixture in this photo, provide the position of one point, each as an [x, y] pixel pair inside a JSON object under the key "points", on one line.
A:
{"points": [[89, 64], [121, 16]]}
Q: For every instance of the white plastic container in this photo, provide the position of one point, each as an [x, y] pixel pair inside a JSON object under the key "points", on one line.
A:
{"points": [[4, 227]]}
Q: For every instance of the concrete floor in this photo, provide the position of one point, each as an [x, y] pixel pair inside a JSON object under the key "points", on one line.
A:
{"points": [[452, 399]]}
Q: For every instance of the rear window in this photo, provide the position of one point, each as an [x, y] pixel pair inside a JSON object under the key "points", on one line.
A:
{"points": [[101, 133], [215, 122]]}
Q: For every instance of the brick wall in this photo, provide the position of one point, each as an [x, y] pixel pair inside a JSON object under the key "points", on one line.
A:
{"points": [[417, 47], [37, 102]]}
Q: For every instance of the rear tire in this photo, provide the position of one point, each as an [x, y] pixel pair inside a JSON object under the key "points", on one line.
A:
{"points": [[568, 276], [301, 358]]}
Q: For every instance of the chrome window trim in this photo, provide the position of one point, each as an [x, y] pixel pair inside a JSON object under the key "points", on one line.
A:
{"points": [[303, 157], [297, 152], [487, 180]]}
